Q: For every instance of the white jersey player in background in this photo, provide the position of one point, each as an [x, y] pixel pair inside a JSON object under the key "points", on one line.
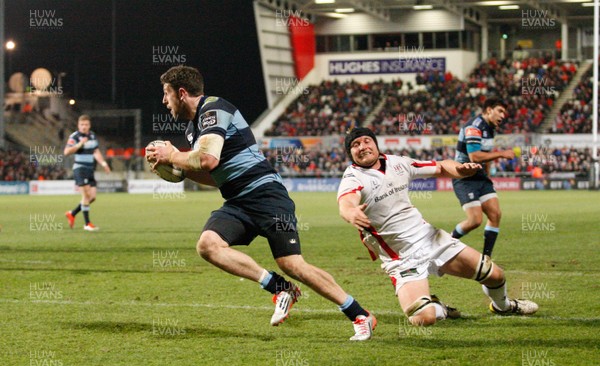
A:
{"points": [[373, 196]]}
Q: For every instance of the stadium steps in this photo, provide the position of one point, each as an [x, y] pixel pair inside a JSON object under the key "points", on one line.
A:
{"points": [[565, 96], [32, 130], [374, 112]]}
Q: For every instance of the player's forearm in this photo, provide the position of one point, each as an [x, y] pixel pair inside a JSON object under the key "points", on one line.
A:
{"points": [[193, 161], [448, 169], [69, 150], [345, 206], [484, 157], [99, 158]]}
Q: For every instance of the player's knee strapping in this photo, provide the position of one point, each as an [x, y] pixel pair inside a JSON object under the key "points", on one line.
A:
{"points": [[418, 306], [484, 269]]}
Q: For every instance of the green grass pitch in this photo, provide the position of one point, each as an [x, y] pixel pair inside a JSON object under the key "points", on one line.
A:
{"points": [[136, 292]]}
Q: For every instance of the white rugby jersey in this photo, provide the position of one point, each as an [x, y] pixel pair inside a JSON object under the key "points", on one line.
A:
{"points": [[396, 225]]}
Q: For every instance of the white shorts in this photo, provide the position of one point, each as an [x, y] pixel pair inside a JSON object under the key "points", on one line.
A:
{"points": [[434, 252]]}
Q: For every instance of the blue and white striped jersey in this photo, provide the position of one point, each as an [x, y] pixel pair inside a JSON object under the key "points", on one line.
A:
{"points": [[84, 157], [475, 135], [242, 168]]}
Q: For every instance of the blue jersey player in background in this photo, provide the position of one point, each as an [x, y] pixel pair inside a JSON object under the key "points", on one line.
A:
{"points": [[225, 154], [476, 193], [84, 144]]}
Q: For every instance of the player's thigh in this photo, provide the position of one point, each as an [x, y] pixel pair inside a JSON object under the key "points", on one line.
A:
{"points": [[229, 224], [467, 191], [491, 208], [411, 291], [275, 215], [464, 264], [210, 240]]}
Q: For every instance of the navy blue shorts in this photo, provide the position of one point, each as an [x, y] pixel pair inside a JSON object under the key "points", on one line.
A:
{"points": [[472, 190], [267, 211], [84, 176]]}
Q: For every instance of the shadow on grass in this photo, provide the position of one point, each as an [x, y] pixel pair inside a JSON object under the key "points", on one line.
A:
{"points": [[98, 249], [475, 321], [435, 343], [164, 332], [99, 270]]}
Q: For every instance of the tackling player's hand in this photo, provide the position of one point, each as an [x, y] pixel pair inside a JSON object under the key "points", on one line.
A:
{"points": [[467, 169], [159, 154], [508, 154], [357, 217]]}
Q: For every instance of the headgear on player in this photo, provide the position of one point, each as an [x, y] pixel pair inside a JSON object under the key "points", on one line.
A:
{"points": [[356, 133]]}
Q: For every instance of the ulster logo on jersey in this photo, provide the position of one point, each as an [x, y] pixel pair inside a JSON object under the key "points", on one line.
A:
{"points": [[398, 169], [208, 119]]}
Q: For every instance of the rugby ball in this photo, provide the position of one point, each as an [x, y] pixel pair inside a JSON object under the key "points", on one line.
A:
{"points": [[167, 172]]}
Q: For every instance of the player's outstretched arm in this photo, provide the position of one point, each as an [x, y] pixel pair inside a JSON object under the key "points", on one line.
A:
{"points": [[353, 212], [452, 169], [484, 157]]}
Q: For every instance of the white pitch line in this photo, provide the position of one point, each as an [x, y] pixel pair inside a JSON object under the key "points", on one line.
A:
{"points": [[26, 261], [266, 308], [551, 273]]}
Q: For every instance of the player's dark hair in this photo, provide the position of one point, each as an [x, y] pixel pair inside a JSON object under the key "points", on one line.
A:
{"points": [[185, 77], [493, 102]]}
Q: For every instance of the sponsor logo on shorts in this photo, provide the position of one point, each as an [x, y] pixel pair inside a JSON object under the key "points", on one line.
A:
{"points": [[409, 273]]}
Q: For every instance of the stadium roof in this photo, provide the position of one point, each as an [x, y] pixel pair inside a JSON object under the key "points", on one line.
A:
{"points": [[573, 11]]}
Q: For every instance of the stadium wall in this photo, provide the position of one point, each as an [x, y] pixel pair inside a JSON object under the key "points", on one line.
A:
{"points": [[430, 141], [165, 189], [437, 20]]}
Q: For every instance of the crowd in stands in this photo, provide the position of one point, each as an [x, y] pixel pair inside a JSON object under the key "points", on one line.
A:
{"points": [[437, 104], [529, 87], [576, 114], [329, 108], [20, 166], [297, 162]]}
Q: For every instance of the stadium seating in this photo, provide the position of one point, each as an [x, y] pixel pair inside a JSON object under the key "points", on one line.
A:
{"points": [[437, 104], [17, 166], [576, 115], [329, 108], [528, 86]]}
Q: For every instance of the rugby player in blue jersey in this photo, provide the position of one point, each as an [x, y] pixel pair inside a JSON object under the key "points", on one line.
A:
{"points": [[84, 144], [476, 193], [256, 201]]}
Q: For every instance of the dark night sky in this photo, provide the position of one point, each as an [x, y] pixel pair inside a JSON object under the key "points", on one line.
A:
{"points": [[216, 36]]}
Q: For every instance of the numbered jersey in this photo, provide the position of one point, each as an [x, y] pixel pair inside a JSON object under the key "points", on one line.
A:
{"points": [[242, 167], [84, 157], [397, 226]]}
